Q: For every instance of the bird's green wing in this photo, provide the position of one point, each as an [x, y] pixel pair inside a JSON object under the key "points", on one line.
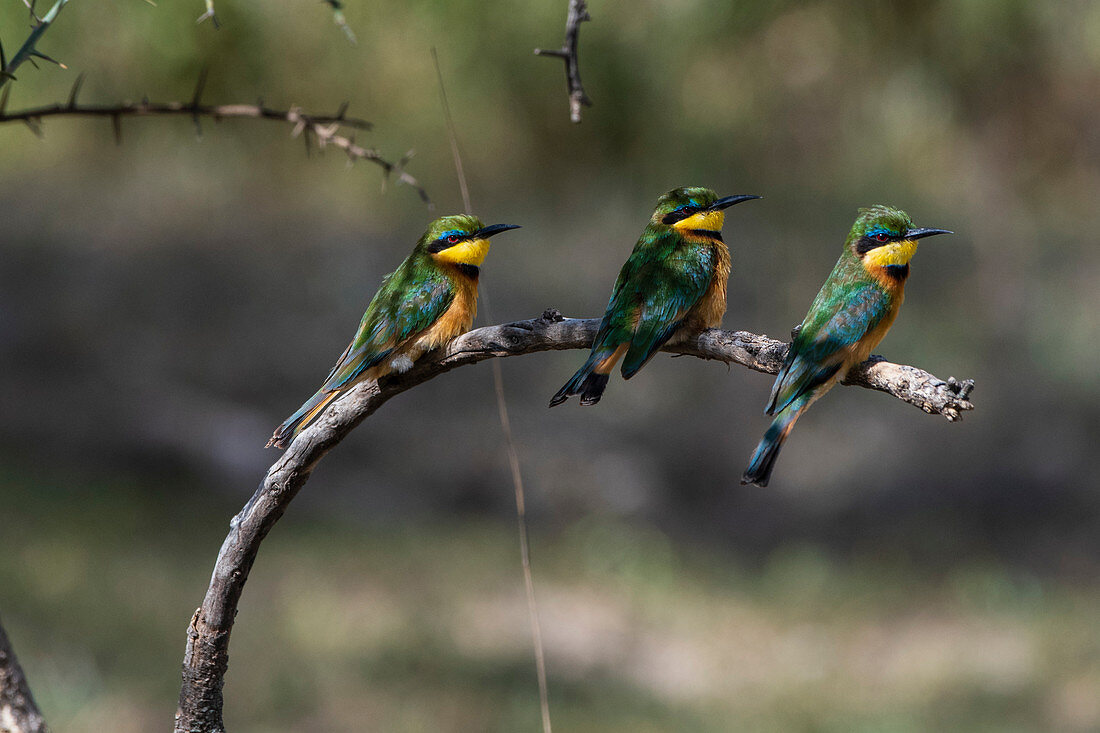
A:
{"points": [[408, 303], [839, 318], [656, 288]]}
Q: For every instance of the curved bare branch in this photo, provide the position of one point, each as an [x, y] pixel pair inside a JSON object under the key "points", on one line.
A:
{"points": [[207, 654], [18, 711]]}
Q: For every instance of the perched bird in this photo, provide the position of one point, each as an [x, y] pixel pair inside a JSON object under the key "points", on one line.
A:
{"points": [[673, 283], [853, 311], [430, 299]]}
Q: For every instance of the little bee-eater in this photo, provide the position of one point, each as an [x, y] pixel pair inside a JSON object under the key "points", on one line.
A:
{"points": [[430, 299], [853, 311], [674, 283]]}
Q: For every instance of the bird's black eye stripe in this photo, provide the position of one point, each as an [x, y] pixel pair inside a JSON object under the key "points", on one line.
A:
{"points": [[445, 242], [869, 242], [678, 214]]}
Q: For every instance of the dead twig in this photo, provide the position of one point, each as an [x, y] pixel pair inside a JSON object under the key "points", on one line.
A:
{"points": [[319, 131], [206, 658], [578, 13]]}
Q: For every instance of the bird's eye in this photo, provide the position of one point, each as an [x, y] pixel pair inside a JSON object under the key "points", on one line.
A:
{"points": [[687, 210], [881, 237], [453, 238]]}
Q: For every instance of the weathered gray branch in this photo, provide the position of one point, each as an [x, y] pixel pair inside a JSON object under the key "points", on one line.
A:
{"points": [[207, 655], [319, 131], [18, 712], [578, 13]]}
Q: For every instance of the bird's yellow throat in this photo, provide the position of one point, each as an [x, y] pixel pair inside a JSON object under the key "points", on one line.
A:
{"points": [[895, 253], [710, 221], [470, 252]]}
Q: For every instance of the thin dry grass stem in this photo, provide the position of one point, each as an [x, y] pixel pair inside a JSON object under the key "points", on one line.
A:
{"points": [[510, 441]]}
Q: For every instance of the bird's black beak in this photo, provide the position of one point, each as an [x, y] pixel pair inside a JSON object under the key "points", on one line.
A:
{"points": [[919, 233], [486, 232], [729, 201]]}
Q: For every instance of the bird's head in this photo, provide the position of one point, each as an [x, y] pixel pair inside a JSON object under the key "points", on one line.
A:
{"points": [[884, 236], [694, 210], [460, 239]]}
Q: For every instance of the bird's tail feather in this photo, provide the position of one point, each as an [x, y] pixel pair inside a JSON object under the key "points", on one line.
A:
{"points": [[763, 459], [591, 379], [301, 419]]}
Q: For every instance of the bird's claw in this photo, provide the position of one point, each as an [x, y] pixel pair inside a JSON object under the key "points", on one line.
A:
{"points": [[961, 389], [553, 315], [959, 399]]}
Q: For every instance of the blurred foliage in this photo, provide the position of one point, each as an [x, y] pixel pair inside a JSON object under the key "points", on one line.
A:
{"points": [[423, 626], [166, 302]]}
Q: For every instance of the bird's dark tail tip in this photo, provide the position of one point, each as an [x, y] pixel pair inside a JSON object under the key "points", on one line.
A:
{"points": [[763, 460], [593, 387], [589, 385], [562, 395]]}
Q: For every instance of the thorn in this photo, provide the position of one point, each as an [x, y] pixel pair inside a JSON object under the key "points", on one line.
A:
{"points": [[75, 91], [199, 86], [44, 57], [35, 126], [4, 99], [342, 110], [35, 20], [116, 123], [209, 14]]}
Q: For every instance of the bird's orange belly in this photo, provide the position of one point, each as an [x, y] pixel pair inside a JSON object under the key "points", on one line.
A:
{"points": [[708, 311], [454, 322]]}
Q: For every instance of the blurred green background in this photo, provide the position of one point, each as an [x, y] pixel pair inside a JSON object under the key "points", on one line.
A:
{"points": [[165, 303]]}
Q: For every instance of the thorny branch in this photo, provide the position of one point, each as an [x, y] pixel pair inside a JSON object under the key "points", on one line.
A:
{"points": [[28, 51], [578, 13], [206, 657], [318, 131], [18, 712]]}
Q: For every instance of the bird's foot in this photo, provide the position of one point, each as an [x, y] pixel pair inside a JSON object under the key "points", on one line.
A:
{"points": [[958, 398]]}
